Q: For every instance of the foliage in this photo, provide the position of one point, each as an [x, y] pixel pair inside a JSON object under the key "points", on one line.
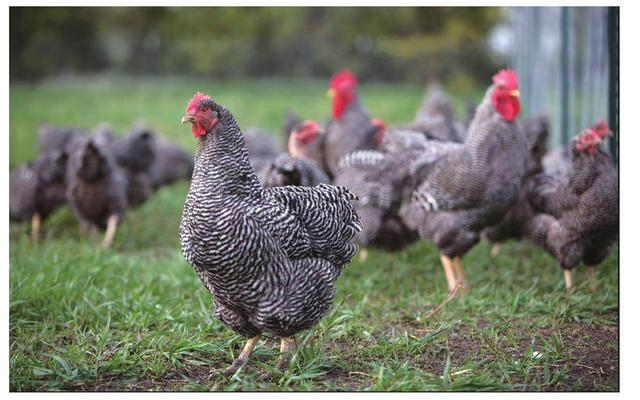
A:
{"points": [[399, 43]]}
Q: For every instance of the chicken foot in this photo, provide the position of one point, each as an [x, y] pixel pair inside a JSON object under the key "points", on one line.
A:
{"points": [[35, 227], [112, 224], [286, 345], [495, 250], [242, 359]]}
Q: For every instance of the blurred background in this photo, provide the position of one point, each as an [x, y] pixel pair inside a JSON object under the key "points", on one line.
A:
{"points": [[566, 58]]}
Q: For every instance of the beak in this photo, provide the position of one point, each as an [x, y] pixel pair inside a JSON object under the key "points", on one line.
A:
{"points": [[187, 118], [331, 93], [515, 93]]}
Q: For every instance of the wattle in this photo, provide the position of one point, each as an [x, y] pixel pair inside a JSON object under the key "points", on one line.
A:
{"points": [[507, 106], [198, 130]]}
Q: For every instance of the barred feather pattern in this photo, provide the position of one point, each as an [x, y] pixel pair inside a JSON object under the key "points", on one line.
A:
{"points": [[286, 170], [457, 190], [577, 221], [269, 257]]}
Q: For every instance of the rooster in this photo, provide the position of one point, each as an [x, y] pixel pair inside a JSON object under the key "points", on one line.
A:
{"points": [[350, 128], [269, 257], [456, 190], [578, 220]]}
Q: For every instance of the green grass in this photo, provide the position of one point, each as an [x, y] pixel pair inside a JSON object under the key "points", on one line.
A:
{"points": [[136, 317]]}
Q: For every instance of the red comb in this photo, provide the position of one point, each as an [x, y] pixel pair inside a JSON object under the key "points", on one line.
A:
{"points": [[193, 103], [378, 123], [343, 78], [506, 77], [601, 128]]}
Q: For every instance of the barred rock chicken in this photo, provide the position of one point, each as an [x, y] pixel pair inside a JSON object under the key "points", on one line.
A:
{"points": [[96, 186], [456, 190], [269, 257], [376, 177], [37, 188], [295, 168], [262, 148], [311, 145], [350, 128], [515, 224], [578, 220], [290, 121]]}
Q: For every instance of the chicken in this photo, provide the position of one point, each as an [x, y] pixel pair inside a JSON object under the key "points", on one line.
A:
{"points": [[435, 117], [350, 129], [269, 257], [515, 224], [456, 190], [377, 177], [290, 121], [134, 155], [96, 186], [295, 168], [263, 148], [578, 221], [37, 188], [53, 138], [170, 164]]}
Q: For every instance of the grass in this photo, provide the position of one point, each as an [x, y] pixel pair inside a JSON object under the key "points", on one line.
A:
{"points": [[136, 317]]}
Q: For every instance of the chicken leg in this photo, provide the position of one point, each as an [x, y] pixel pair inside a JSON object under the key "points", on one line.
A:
{"points": [[459, 273], [286, 344], [591, 274], [568, 280], [495, 249], [242, 358], [112, 224], [364, 254], [447, 264], [35, 227]]}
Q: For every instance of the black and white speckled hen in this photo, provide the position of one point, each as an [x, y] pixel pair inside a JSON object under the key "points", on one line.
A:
{"points": [[262, 147], [578, 220], [37, 188], [435, 117], [269, 257], [350, 128], [295, 168], [96, 186], [457, 190], [515, 224]]}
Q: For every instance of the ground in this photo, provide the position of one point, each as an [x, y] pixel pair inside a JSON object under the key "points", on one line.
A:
{"points": [[135, 317]]}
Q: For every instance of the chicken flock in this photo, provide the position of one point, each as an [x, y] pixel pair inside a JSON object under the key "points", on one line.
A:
{"points": [[269, 228]]}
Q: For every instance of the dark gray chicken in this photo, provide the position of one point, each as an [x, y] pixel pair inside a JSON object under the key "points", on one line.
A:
{"points": [[457, 190], [135, 155], [515, 224], [37, 188], [435, 118], [263, 148], [578, 220], [170, 164], [96, 186], [289, 123], [55, 138], [269, 257], [295, 168], [350, 129]]}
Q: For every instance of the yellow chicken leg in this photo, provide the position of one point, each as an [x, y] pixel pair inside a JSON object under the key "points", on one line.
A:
{"points": [[495, 250], [35, 227], [242, 358], [568, 280], [591, 274], [459, 273], [447, 264], [364, 254], [112, 224]]}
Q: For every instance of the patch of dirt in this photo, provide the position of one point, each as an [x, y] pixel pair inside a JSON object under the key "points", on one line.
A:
{"points": [[589, 354]]}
